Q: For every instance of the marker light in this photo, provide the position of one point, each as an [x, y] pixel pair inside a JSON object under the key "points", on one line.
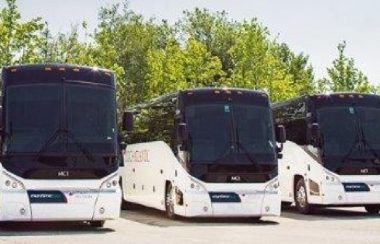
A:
{"points": [[14, 184], [95, 68]]}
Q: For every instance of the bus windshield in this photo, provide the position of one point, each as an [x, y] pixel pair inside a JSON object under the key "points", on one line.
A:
{"points": [[56, 118], [341, 128], [222, 130]]}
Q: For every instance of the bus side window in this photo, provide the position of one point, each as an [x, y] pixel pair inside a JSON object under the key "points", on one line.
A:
{"points": [[296, 131]]}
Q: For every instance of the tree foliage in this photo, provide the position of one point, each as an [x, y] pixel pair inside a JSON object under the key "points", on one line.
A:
{"points": [[151, 57], [344, 75]]}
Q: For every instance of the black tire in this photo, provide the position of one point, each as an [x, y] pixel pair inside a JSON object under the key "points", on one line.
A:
{"points": [[286, 204], [97, 224], [372, 209], [300, 197], [169, 202], [255, 219]]}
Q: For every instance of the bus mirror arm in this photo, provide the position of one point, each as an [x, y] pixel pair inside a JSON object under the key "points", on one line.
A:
{"points": [[182, 135], [280, 134], [315, 134]]}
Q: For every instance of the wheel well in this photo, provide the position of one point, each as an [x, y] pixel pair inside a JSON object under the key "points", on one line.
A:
{"points": [[296, 179]]}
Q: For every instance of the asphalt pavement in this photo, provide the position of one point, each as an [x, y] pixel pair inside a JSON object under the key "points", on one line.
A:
{"points": [[143, 225]]}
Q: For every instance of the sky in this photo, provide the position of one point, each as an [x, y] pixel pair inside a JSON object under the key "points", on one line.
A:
{"points": [[312, 27]]}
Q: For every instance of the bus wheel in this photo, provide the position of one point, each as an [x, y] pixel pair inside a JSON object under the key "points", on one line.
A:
{"points": [[301, 200], [169, 201], [97, 224], [372, 209]]}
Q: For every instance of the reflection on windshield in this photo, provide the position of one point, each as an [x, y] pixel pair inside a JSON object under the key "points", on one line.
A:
{"points": [[91, 118], [36, 112], [33, 114], [212, 133], [341, 128]]}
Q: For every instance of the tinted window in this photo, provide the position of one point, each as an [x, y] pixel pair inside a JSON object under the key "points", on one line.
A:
{"points": [[91, 118], [219, 130], [32, 115]]}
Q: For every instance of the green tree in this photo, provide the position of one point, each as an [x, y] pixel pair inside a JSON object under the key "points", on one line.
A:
{"points": [[20, 42], [176, 67], [214, 30], [344, 75], [123, 40], [298, 67], [257, 65]]}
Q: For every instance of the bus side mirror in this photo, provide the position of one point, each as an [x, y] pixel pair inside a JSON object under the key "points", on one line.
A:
{"points": [[123, 146], [315, 131], [127, 122], [182, 134], [280, 134]]}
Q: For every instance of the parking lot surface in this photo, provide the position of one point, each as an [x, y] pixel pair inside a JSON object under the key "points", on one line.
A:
{"points": [[142, 225]]}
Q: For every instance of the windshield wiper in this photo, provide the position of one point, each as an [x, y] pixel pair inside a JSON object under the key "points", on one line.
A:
{"points": [[67, 133], [239, 144], [366, 144], [226, 151], [361, 140], [247, 153]]}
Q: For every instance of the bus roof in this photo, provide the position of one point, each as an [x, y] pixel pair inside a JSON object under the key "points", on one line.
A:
{"points": [[171, 98], [317, 96], [41, 73]]}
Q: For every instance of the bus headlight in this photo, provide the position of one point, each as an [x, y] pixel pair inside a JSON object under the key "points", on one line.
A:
{"points": [[111, 182], [272, 186], [331, 178], [197, 186], [11, 182]]}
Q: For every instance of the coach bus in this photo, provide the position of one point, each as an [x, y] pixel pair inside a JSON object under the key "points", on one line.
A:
{"points": [[58, 145], [204, 152], [332, 156]]}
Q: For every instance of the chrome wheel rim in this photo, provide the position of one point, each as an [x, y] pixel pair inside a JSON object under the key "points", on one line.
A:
{"points": [[301, 196], [170, 201]]}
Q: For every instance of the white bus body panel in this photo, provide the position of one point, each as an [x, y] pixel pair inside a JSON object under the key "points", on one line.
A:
{"points": [[84, 198], [148, 166], [296, 162]]}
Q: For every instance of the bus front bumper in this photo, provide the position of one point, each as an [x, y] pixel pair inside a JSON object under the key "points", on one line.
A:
{"points": [[78, 205], [251, 204], [348, 193]]}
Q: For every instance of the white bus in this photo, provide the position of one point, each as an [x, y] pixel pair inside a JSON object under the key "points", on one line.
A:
{"points": [[332, 156], [204, 153], [59, 145]]}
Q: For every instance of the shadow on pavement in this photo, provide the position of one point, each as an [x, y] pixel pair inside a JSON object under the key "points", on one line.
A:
{"points": [[155, 217], [49, 228], [357, 213]]}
